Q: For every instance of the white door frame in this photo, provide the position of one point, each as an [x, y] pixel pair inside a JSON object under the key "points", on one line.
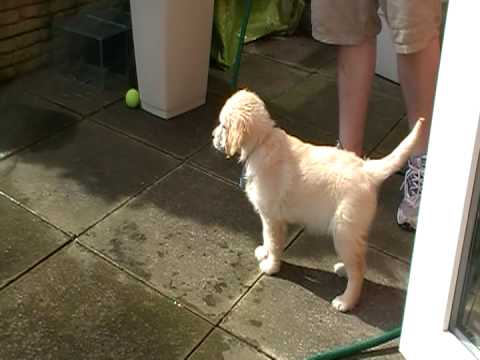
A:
{"points": [[449, 176]]}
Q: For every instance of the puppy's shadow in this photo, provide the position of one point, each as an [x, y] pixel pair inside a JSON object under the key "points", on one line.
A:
{"points": [[380, 306]]}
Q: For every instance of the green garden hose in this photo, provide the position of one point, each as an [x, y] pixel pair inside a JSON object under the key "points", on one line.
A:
{"points": [[348, 350]]}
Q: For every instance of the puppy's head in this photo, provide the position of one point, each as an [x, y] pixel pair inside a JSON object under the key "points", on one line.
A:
{"points": [[243, 123]]}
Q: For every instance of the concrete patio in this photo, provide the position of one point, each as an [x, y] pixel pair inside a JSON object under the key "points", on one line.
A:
{"points": [[125, 236]]}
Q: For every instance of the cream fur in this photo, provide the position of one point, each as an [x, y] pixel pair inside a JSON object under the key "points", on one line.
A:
{"points": [[321, 187]]}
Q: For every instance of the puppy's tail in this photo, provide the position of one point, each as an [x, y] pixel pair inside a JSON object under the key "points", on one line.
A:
{"points": [[381, 169]]}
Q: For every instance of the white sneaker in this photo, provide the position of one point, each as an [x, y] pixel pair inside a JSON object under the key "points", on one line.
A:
{"points": [[412, 191]]}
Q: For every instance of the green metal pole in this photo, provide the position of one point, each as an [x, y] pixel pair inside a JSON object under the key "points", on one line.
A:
{"points": [[241, 40], [348, 350]]}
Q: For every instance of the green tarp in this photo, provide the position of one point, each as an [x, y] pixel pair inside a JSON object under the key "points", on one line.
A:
{"points": [[266, 17]]}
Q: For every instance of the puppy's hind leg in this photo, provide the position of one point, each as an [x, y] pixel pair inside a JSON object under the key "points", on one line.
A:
{"points": [[270, 253], [351, 248]]}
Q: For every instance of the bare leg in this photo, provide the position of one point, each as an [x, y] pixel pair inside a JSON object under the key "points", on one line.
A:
{"points": [[269, 255], [355, 70], [418, 75]]}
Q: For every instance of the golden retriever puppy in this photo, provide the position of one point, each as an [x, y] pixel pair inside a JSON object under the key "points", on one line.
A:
{"points": [[321, 187]]}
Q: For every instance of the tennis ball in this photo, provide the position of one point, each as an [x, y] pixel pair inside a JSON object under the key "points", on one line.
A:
{"points": [[132, 98]]}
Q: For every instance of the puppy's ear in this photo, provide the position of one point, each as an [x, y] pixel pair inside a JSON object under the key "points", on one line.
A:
{"points": [[236, 130]]}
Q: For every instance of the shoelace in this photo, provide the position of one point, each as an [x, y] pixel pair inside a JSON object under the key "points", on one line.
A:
{"points": [[412, 186]]}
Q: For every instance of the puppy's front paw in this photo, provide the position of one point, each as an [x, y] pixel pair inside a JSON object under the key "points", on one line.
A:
{"points": [[270, 265], [261, 253], [340, 304]]}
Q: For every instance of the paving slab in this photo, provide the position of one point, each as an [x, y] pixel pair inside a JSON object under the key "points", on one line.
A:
{"points": [[267, 77], [262, 75], [289, 316], [191, 236], [301, 50], [78, 176], [385, 234], [221, 345], [214, 161], [77, 306], [25, 240], [69, 92], [219, 82], [27, 119], [297, 50], [181, 136], [393, 138], [386, 87], [315, 101]]}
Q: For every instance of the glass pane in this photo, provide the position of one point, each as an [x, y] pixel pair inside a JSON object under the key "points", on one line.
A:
{"points": [[466, 319]]}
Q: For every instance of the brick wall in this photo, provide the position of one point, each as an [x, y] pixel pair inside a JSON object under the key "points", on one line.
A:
{"points": [[25, 32]]}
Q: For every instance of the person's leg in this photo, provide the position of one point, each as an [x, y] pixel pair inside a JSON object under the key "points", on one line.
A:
{"points": [[352, 26], [415, 28], [418, 74], [355, 71]]}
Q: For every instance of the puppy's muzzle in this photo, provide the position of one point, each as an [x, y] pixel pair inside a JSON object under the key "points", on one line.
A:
{"points": [[219, 139]]}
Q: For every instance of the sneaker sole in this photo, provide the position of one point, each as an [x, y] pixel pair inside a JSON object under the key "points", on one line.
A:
{"points": [[405, 225]]}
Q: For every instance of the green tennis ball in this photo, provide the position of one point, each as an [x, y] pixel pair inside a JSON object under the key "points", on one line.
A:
{"points": [[132, 98]]}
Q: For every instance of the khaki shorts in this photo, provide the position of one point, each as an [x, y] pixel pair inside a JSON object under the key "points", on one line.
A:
{"points": [[414, 23]]}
